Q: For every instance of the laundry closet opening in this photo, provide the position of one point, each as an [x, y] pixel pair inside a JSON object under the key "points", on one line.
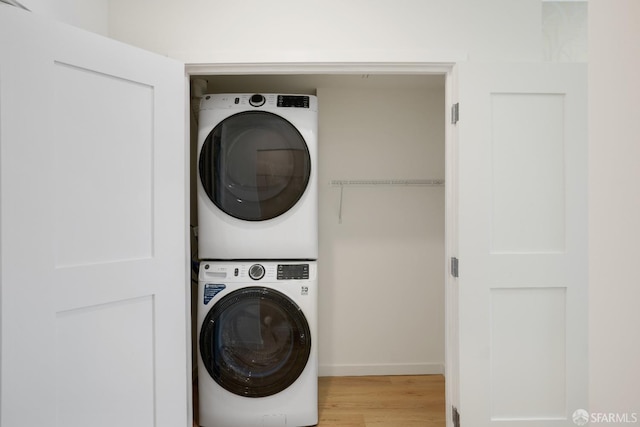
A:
{"points": [[381, 171]]}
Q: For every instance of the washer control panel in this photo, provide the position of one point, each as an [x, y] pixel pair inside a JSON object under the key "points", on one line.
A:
{"points": [[264, 271]]}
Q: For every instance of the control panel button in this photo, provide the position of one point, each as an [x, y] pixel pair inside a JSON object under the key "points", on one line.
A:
{"points": [[256, 271], [257, 100]]}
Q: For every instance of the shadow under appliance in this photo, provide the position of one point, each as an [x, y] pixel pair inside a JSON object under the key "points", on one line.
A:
{"points": [[257, 344]]}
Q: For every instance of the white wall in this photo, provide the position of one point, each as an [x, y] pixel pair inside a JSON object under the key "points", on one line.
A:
{"points": [[291, 30], [614, 231], [91, 15], [564, 31], [381, 269]]}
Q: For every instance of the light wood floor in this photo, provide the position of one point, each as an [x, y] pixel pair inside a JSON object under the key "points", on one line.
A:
{"points": [[380, 401]]}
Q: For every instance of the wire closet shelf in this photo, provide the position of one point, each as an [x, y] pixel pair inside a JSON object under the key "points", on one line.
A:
{"points": [[381, 182]]}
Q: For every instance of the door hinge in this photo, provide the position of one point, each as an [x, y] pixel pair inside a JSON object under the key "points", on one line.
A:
{"points": [[455, 416], [454, 266], [455, 113]]}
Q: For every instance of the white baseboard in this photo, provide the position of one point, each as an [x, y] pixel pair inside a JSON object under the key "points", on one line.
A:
{"points": [[381, 369]]}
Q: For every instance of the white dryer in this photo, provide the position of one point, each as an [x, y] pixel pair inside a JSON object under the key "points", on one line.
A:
{"points": [[257, 177], [257, 344]]}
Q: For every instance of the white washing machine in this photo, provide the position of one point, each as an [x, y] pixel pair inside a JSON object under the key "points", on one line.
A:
{"points": [[257, 177], [257, 344]]}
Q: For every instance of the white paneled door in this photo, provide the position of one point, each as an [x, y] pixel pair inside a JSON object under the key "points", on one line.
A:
{"points": [[93, 230], [522, 147]]}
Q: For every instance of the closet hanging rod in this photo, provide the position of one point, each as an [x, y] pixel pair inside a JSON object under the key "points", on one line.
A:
{"points": [[388, 182]]}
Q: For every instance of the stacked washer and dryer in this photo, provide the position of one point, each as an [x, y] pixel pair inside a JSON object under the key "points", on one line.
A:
{"points": [[258, 246]]}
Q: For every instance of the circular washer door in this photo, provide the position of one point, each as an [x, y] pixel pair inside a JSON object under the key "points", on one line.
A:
{"points": [[255, 342], [254, 165]]}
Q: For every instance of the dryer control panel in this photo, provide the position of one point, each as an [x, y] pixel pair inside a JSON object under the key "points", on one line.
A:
{"points": [[297, 101], [266, 101]]}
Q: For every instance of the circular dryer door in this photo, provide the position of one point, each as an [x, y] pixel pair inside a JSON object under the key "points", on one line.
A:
{"points": [[254, 165], [255, 342]]}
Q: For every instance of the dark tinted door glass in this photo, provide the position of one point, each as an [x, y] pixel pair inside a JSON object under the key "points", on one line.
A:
{"points": [[255, 165], [255, 342]]}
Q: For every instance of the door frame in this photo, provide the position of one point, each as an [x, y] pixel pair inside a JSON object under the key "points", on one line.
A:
{"points": [[424, 66]]}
